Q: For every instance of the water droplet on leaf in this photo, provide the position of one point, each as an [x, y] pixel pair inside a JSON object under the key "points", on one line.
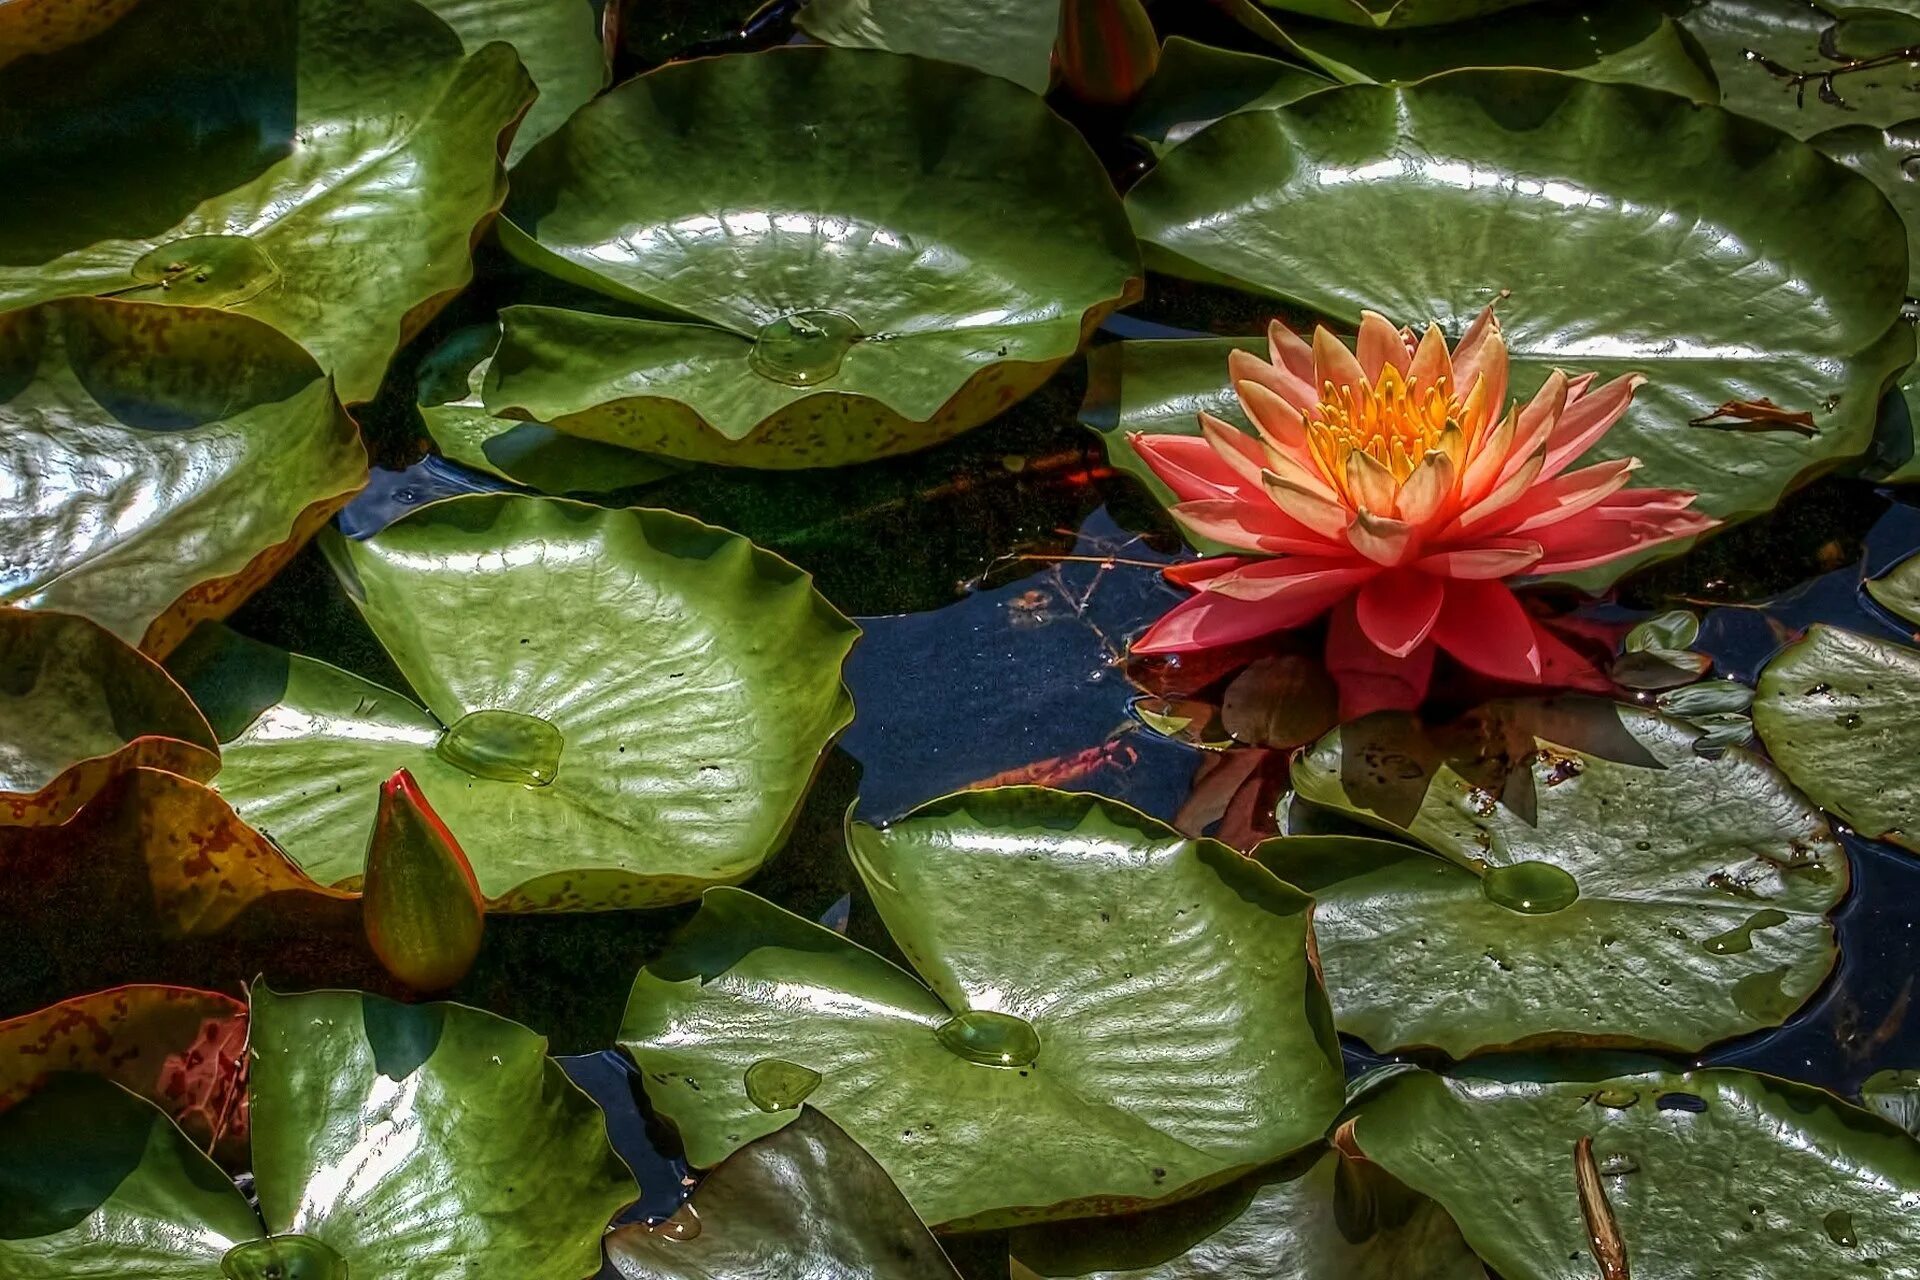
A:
{"points": [[991, 1039], [774, 1084], [289, 1257], [1531, 888], [804, 348], [504, 746]]}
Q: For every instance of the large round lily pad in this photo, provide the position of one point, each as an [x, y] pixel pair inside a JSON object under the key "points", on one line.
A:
{"points": [[1836, 710], [617, 707], [389, 1140], [318, 165], [1105, 1014], [80, 707], [1316, 1216], [1714, 1173], [160, 463], [832, 282], [803, 1203], [1618, 230], [1597, 882]]}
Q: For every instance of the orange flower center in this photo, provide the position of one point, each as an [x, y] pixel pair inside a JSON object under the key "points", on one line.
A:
{"points": [[1396, 421]]}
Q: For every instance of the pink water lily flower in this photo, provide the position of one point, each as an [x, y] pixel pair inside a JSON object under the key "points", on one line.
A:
{"points": [[1395, 485]]}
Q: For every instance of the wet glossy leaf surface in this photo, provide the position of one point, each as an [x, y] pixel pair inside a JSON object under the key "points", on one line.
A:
{"points": [[267, 188], [804, 1203], [1060, 1059], [1316, 1216], [1598, 882], [388, 1139], [1709, 1173], [561, 43], [528, 453], [885, 298], [579, 769], [1835, 709], [1532, 190], [1627, 42], [1784, 84], [1392, 13], [180, 1049], [1010, 38], [97, 707], [163, 462]]}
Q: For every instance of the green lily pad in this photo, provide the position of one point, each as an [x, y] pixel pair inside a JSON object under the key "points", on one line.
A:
{"points": [[1393, 13], [805, 1203], [565, 45], [96, 707], [527, 453], [1598, 882], [1317, 1216], [1890, 159], [1835, 709], [618, 707], [1197, 84], [1145, 1025], [1706, 1173], [318, 165], [1626, 42], [1899, 590], [1009, 38], [1786, 36], [400, 1141], [1618, 229], [926, 266], [1894, 1096], [166, 461]]}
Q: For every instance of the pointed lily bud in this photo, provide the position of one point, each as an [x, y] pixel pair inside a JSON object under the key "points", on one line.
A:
{"points": [[420, 902], [1106, 51]]}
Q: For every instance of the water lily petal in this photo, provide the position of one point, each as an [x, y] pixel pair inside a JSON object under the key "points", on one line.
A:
{"points": [[1380, 345], [1250, 526], [1294, 391], [1370, 485], [1279, 423], [1369, 679], [1213, 618], [1485, 462], [1484, 627], [1334, 364], [1189, 466], [1326, 578], [1482, 354], [1587, 419], [1536, 422], [1503, 496], [1396, 611], [1605, 533], [1426, 493], [1309, 506], [1430, 361], [1551, 501], [1290, 351], [1240, 451], [1195, 574], [1380, 539], [1492, 558]]}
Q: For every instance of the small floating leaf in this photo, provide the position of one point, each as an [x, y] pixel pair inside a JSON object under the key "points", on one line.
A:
{"points": [[1836, 710], [423, 910]]}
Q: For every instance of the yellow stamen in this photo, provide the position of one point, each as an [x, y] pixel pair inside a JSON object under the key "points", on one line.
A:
{"points": [[1396, 422]]}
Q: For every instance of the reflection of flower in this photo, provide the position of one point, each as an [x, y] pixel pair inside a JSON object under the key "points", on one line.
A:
{"points": [[1387, 484]]}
